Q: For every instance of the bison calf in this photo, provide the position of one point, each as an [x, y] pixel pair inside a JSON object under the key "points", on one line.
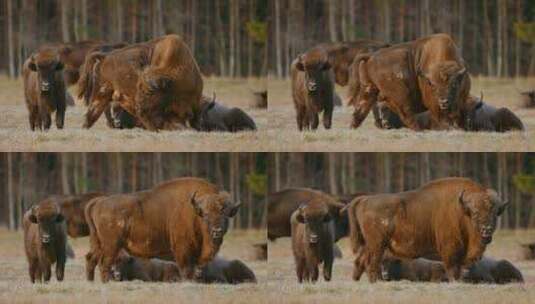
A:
{"points": [[312, 240], [220, 270], [488, 270], [44, 89], [484, 117], [217, 117], [44, 241], [129, 268], [417, 270]]}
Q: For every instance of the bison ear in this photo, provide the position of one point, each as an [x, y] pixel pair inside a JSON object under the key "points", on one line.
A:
{"points": [[195, 204], [233, 210], [463, 203], [59, 66], [299, 64], [502, 207], [210, 105], [60, 218]]}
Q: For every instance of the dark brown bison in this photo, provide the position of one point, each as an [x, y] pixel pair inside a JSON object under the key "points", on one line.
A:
{"points": [[220, 270], [214, 116], [313, 240], [417, 270], [158, 82], [489, 270], [450, 219], [426, 73], [130, 268], [185, 219], [45, 241], [484, 117], [72, 209], [44, 88], [282, 204]]}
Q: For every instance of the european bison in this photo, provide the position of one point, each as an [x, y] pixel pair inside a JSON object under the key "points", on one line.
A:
{"points": [[72, 55], [426, 73], [214, 116], [313, 240], [220, 270], [129, 268], [72, 209], [450, 219], [44, 241], [282, 204], [484, 117], [185, 219], [489, 270], [157, 81], [417, 270], [44, 88]]}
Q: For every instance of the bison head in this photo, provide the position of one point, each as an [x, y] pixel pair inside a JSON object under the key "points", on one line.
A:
{"points": [[46, 216], [153, 98], [483, 208], [120, 271], [215, 210], [314, 215], [314, 65], [446, 81], [46, 63]]}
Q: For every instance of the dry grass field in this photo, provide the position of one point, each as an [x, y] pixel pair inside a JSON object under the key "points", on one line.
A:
{"points": [[15, 133], [498, 92], [282, 281], [15, 286]]}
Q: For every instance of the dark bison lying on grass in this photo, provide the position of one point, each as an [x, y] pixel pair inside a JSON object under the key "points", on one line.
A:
{"points": [[184, 219], [130, 268], [450, 219], [214, 116], [220, 270]]}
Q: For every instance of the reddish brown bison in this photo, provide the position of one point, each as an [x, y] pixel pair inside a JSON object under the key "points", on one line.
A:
{"points": [[450, 219], [158, 82], [214, 116], [185, 219], [313, 240], [44, 88], [45, 241], [426, 73], [129, 268], [220, 270], [282, 204]]}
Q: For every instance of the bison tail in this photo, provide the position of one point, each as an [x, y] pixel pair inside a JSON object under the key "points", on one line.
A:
{"points": [[89, 219], [88, 76], [354, 84], [355, 232]]}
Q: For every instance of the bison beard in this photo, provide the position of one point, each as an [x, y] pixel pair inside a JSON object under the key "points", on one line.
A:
{"points": [[441, 211]]}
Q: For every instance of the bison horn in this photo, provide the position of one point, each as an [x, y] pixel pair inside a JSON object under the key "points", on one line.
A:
{"points": [[195, 204], [213, 99], [462, 71]]}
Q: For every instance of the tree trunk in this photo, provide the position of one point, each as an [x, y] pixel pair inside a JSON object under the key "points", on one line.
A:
{"points": [[333, 173], [518, 48], [65, 173], [10, 189], [10, 39], [332, 20], [278, 42], [65, 21]]}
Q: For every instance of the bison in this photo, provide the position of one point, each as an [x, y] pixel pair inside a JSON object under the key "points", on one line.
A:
{"points": [[426, 73], [417, 270], [220, 270], [157, 81], [129, 268], [449, 219], [313, 240], [484, 117], [214, 116], [45, 241], [44, 88], [489, 270], [185, 219]]}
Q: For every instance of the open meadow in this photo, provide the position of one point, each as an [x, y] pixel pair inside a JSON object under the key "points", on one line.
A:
{"points": [[368, 138], [15, 133], [15, 285], [282, 281]]}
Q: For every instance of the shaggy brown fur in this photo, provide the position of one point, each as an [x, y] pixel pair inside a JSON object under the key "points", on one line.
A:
{"points": [[312, 240], [129, 268], [44, 241], [489, 270], [220, 270], [185, 218], [450, 219], [428, 72], [44, 88], [73, 56]]}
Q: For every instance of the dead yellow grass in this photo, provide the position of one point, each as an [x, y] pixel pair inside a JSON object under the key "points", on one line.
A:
{"points": [[15, 134], [498, 92], [15, 286]]}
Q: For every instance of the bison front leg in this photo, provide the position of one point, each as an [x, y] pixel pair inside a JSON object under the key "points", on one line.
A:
{"points": [[300, 267], [46, 119], [47, 272], [34, 117], [327, 269], [313, 271], [95, 111], [60, 117], [328, 117], [453, 272], [60, 268], [300, 118], [367, 98], [313, 120], [33, 270], [91, 261]]}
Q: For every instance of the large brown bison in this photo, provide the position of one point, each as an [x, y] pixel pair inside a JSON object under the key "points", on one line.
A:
{"points": [[44, 88], [450, 219], [72, 208], [185, 219], [224, 271], [313, 240], [214, 116], [428, 72], [158, 82], [45, 241], [282, 204]]}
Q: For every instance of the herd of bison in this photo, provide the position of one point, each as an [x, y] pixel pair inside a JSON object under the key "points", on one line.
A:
{"points": [[438, 232], [422, 85], [155, 85], [169, 233]]}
